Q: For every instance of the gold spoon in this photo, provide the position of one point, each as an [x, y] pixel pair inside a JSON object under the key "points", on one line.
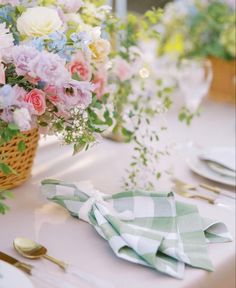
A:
{"points": [[32, 250]]}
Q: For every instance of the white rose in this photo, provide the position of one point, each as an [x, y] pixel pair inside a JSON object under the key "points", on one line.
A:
{"points": [[38, 21], [22, 119]]}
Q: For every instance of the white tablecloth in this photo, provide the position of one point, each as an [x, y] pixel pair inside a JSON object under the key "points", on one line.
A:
{"points": [[78, 243]]}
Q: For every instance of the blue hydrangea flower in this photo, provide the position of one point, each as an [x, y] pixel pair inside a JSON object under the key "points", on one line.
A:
{"points": [[37, 43], [81, 40], [6, 14], [57, 41], [67, 52]]}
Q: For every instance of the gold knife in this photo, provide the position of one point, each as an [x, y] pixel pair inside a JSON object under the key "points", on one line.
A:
{"points": [[18, 264], [50, 279]]}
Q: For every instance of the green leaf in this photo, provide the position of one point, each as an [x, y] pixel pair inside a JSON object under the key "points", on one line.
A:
{"points": [[107, 117], [128, 134], [76, 77], [21, 146], [13, 127], [158, 175], [3, 208], [8, 194], [6, 169], [4, 194], [182, 116], [78, 147]]}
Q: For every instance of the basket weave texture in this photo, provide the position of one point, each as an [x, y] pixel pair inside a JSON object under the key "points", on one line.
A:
{"points": [[21, 162], [224, 80]]}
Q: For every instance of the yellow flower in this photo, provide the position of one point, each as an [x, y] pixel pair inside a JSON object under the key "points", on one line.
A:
{"points": [[100, 49], [38, 21], [175, 44]]}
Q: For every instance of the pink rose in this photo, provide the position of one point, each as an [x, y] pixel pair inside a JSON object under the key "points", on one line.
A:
{"points": [[37, 98], [51, 92], [2, 74], [81, 67]]}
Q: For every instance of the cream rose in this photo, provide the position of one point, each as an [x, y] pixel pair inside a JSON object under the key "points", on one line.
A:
{"points": [[38, 21], [100, 49]]}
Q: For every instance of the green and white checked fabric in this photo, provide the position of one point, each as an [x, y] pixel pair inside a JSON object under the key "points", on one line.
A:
{"points": [[147, 228]]}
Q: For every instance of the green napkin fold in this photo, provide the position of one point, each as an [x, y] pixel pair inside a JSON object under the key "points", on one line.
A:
{"points": [[152, 229]]}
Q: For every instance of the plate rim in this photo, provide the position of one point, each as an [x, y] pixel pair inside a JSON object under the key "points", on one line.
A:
{"points": [[209, 177]]}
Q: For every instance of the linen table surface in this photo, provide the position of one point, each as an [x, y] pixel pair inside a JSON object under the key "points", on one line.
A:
{"points": [[79, 243]]}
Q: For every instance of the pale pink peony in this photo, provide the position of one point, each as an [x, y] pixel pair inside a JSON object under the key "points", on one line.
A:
{"points": [[22, 57], [76, 93], [50, 68], [81, 67], [37, 98], [20, 93], [122, 69]]}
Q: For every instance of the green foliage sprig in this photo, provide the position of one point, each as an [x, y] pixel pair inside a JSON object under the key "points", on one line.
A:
{"points": [[4, 195], [8, 131]]}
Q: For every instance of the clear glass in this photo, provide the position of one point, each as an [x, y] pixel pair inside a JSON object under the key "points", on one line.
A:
{"points": [[194, 79]]}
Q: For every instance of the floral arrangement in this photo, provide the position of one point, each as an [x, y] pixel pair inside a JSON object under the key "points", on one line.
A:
{"points": [[48, 71], [51, 56], [199, 28]]}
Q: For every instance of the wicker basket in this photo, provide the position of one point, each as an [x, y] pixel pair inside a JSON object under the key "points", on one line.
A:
{"points": [[224, 80], [21, 162]]}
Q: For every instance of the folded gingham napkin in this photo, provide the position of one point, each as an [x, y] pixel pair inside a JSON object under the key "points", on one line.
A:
{"points": [[152, 229]]}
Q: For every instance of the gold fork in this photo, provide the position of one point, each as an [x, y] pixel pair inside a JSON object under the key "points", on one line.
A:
{"points": [[184, 189], [187, 194], [216, 190]]}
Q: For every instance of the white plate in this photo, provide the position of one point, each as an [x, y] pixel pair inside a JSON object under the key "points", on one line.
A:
{"points": [[220, 169], [201, 168], [224, 156], [11, 277]]}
